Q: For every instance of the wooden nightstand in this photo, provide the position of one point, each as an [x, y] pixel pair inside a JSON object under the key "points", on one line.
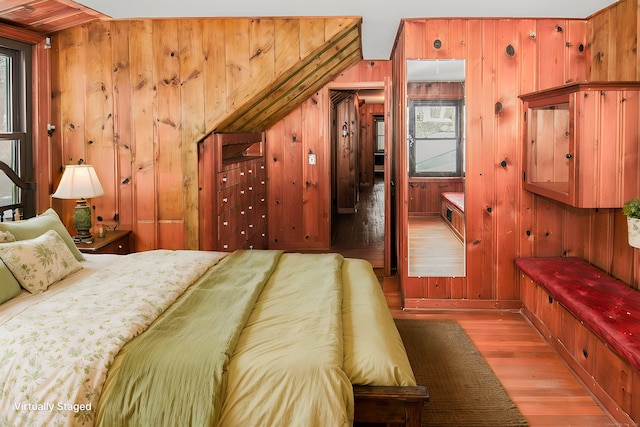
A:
{"points": [[113, 242]]}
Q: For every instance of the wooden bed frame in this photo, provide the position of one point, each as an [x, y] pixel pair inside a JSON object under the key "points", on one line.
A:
{"points": [[390, 406], [387, 405]]}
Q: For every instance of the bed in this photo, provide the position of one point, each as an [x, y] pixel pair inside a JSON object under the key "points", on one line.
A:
{"points": [[194, 337], [452, 211]]}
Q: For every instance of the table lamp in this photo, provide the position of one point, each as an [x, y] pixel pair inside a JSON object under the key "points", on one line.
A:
{"points": [[80, 182]]}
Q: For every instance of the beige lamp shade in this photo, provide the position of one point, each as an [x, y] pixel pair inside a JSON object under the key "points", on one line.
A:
{"points": [[79, 182]]}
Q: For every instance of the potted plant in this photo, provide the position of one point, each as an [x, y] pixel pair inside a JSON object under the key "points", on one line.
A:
{"points": [[632, 210]]}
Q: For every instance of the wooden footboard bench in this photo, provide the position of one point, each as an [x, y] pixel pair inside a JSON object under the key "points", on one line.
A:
{"points": [[396, 406], [593, 321]]}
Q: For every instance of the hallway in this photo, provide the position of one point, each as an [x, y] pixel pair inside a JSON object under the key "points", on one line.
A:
{"points": [[361, 234]]}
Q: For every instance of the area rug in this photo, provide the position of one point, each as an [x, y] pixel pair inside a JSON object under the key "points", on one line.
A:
{"points": [[463, 390]]}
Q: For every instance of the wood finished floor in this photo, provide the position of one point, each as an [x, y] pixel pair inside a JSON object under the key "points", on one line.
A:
{"points": [[361, 234], [434, 250], [535, 377]]}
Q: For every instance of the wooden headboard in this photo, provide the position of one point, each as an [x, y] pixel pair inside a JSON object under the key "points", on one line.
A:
{"points": [[25, 206]]}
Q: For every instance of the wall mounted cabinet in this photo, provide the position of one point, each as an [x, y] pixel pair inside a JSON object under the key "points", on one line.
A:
{"points": [[233, 188], [581, 143]]}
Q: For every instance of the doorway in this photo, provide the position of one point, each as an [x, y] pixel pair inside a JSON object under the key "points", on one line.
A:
{"points": [[359, 232]]}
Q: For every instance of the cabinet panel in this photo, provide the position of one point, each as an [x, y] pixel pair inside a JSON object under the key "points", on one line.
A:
{"points": [[580, 146], [236, 198]]}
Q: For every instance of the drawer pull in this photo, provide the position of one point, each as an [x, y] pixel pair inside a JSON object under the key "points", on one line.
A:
{"points": [[241, 173], [585, 353], [250, 225], [242, 232], [264, 216], [225, 246], [241, 191], [225, 223], [250, 170], [224, 179], [250, 188], [225, 200], [550, 299], [250, 207], [241, 212]]}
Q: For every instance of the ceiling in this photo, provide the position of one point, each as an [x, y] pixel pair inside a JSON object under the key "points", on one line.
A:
{"points": [[380, 18]]}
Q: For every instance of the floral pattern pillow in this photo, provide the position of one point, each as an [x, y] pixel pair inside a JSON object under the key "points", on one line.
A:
{"points": [[6, 236], [38, 263]]}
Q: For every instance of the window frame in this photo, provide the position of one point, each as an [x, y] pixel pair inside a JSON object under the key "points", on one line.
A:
{"points": [[412, 141], [20, 106]]}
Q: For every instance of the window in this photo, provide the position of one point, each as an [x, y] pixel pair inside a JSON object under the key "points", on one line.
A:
{"points": [[15, 138], [379, 124], [435, 138]]}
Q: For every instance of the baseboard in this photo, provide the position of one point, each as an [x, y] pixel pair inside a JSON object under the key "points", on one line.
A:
{"points": [[429, 304]]}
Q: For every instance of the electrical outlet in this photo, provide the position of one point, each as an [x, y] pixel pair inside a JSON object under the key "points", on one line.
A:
{"points": [[312, 159]]}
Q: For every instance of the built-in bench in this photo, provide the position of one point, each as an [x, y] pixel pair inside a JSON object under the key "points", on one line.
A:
{"points": [[452, 211], [593, 320]]}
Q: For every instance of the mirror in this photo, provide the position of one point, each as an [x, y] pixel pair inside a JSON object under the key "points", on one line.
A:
{"points": [[436, 150]]}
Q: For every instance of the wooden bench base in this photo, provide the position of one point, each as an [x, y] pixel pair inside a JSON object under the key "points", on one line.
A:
{"points": [[391, 406], [610, 378]]}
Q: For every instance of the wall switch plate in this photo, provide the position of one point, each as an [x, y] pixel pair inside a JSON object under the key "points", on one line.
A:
{"points": [[312, 159]]}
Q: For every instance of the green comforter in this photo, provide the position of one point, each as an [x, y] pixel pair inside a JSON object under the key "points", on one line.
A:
{"points": [[159, 365]]}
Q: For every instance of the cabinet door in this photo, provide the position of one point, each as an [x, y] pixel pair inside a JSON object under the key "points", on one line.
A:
{"points": [[589, 111], [549, 168]]}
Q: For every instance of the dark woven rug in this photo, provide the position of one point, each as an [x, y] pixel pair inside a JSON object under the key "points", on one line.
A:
{"points": [[463, 390]]}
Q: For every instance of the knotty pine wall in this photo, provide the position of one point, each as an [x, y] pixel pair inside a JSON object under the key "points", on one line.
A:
{"points": [[135, 97], [496, 208], [299, 194], [504, 221]]}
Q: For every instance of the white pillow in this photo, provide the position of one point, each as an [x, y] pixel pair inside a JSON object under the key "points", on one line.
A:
{"points": [[40, 262]]}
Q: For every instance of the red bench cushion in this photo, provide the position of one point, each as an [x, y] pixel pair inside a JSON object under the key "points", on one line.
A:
{"points": [[607, 306]]}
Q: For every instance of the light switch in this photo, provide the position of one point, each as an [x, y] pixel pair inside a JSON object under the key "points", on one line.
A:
{"points": [[312, 159]]}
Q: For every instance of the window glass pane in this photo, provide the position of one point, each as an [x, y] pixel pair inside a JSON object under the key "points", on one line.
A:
{"points": [[8, 190], [435, 121], [435, 155], [379, 134], [5, 93]]}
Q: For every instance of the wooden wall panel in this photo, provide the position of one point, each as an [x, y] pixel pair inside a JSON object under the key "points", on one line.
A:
{"points": [[192, 108], [506, 179], [122, 129], [167, 61], [145, 92], [143, 139], [368, 141]]}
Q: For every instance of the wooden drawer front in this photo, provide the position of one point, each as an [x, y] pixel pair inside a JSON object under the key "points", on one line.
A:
{"points": [[226, 198], [119, 247], [527, 292], [226, 223], [613, 374], [547, 310]]}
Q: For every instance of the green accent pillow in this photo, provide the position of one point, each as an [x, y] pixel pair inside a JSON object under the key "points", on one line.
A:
{"points": [[34, 227], [9, 286], [40, 262]]}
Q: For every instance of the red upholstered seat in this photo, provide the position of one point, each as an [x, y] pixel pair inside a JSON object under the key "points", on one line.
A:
{"points": [[607, 306]]}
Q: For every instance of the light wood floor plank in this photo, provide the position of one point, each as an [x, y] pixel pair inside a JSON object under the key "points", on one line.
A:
{"points": [[535, 377]]}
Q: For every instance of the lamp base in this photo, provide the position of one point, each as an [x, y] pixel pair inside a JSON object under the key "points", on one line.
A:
{"points": [[83, 236], [82, 219]]}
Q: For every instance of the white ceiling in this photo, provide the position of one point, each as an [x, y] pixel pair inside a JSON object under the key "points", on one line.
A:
{"points": [[380, 18]]}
